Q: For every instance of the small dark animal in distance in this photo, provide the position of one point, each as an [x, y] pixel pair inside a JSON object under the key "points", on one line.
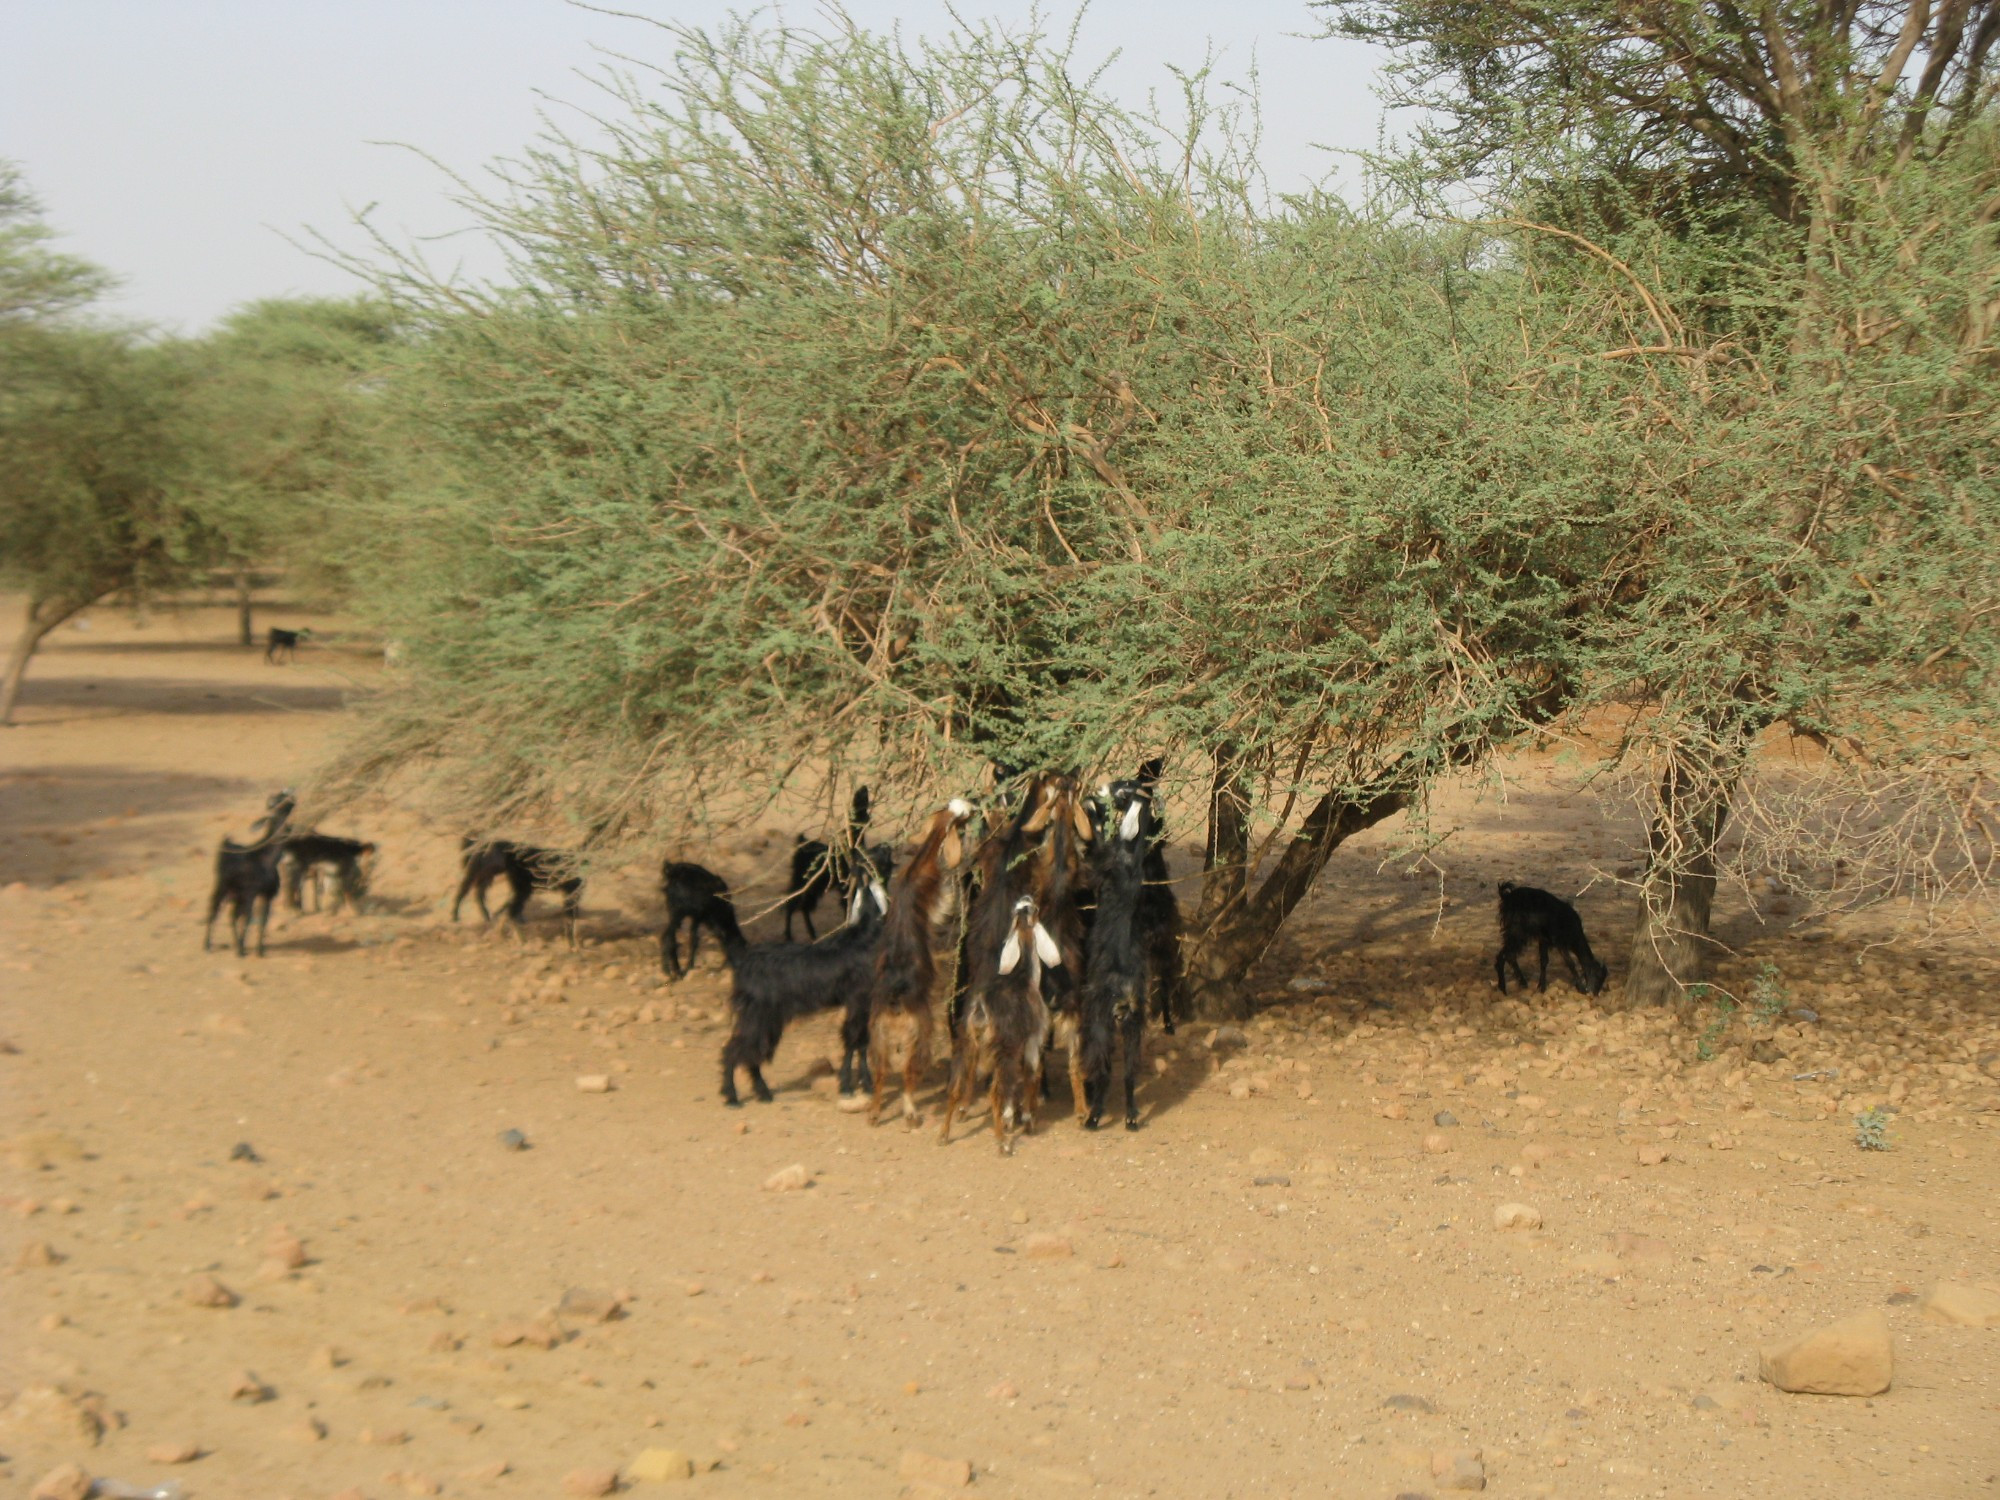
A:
{"points": [[697, 897], [246, 876], [284, 644], [1529, 915], [526, 869], [346, 860]]}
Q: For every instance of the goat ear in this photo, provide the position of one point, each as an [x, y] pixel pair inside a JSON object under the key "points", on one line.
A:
{"points": [[1128, 826], [953, 849], [1045, 947], [1081, 820], [1010, 954], [1039, 819]]}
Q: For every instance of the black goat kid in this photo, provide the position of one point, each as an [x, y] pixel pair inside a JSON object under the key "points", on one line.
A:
{"points": [[698, 898], [816, 868], [1159, 910], [246, 876], [1004, 1028], [526, 869], [775, 983], [283, 644], [345, 859], [1117, 960], [1528, 915]]}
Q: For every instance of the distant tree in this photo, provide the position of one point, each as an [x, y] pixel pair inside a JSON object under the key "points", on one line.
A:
{"points": [[36, 282]]}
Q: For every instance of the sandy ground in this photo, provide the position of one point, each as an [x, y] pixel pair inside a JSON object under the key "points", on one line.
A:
{"points": [[1273, 1289]]}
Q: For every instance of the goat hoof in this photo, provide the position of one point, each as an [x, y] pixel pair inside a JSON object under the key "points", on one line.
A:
{"points": [[1132, 1122], [1091, 1123], [733, 1103]]}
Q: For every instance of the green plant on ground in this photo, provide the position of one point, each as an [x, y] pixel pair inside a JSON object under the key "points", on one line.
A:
{"points": [[1725, 1007], [1871, 1129], [1768, 996]]}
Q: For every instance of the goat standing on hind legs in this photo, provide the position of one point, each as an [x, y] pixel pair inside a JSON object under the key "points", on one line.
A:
{"points": [[922, 899], [1117, 963], [1004, 1028]]}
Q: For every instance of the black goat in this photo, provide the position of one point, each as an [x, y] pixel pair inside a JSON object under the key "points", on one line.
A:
{"points": [[246, 876], [1004, 1028], [775, 983], [1159, 909], [346, 860], [284, 644], [818, 868], [700, 898], [526, 870], [1117, 959], [1528, 915]]}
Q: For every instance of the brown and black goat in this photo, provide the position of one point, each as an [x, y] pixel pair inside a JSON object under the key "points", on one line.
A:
{"points": [[1004, 1028], [1116, 970], [923, 898]]}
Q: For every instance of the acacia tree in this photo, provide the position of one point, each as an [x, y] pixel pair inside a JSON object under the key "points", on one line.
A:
{"points": [[87, 441]]}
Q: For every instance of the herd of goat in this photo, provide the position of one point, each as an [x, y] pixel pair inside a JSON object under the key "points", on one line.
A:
{"points": [[1057, 929]]}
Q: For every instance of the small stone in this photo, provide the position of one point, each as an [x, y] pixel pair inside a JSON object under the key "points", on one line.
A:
{"points": [[173, 1453], [660, 1466], [1967, 1306], [444, 1341], [588, 1306], [1272, 1179], [788, 1179], [1227, 1036], [1853, 1357], [311, 1430], [590, 1482], [540, 1333], [206, 1291], [1395, 1110], [592, 1083], [925, 1468], [511, 1402], [1045, 1247], [244, 1151], [1436, 1143], [1006, 1390], [413, 1484], [1406, 1402], [384, 1437], [1652, 1156], [284, 1247], [1462, 1469], [485, 1473], [64, 1482], [1445, 1118], [513, 1140], [1517, 1216], [35, 1255], [249, 1389]]}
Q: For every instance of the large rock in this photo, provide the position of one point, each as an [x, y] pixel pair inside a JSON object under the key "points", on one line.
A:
{"points": [[43, 1415], [1850, 1358], [660, 1466], [1967, 1306]]}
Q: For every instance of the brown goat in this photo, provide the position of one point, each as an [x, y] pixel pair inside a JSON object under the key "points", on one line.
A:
{"points": [[922, 898]]}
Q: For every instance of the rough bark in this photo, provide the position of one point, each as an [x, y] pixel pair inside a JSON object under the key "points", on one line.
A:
{"points": [[43, 615], [1671, 947], [246, 634], [1228, 948]]}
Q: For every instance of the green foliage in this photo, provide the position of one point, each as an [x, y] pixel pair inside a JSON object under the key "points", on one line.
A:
{"points": [[1768, 995], [1718, 1026], [1871, 1129], [37, 283]]}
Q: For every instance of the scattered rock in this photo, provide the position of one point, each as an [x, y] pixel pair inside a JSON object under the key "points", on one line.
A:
{"points": [[590, 1482], [36, 1255], [1967, 1306], [244, 1151], [413, 1484], [311, 1430], [1517, 1216], [44, 1416], [513, 1140], [660, 1466], [64, 1482], [384, 1437], [788, 1179], [1436, 1143], [248, 1389], [1006, 1390], [592, 1083], [1227, 1036], [1853, 1357], [1459, 1469], [925, 1468], [173, 1453], [1406, 1402], [540, 1333], [1044, 1247], [589, 1307], [1271, 1179], [1652, 1155], [1395, 1110], [485, 1473], [1445, 1118], [285, 1248], [206, 1291]]}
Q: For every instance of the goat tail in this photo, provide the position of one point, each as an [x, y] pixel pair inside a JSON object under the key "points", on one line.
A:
{"points": [[1507, 887]]}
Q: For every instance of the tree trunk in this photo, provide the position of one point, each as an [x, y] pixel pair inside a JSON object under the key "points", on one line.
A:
{"points": [[1671, 949], [42, 617], [245, 634], [1230, 944]]}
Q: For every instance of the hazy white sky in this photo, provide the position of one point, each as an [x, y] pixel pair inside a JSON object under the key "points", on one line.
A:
{"points": [[178, 141]]}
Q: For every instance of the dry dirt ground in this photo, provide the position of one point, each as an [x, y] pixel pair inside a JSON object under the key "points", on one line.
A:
{"points": [[1288, 1283]]}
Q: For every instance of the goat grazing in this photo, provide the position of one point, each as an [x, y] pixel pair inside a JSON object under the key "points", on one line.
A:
{"points": [[283, 644], [246, 876], [1159, 909], [1117, 959], [699, 898], [775, 983], [816, 868], [1528, 915], [526, 869], [346, 861], [923, 897], [1003, 1030]]}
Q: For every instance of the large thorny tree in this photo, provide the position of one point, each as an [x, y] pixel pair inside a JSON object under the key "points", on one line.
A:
{"points": [[858, 410]]}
